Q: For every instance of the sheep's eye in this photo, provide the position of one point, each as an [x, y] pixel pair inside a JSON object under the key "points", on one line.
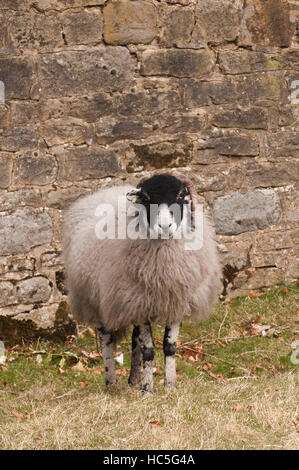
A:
{"points": [[144, 200]]}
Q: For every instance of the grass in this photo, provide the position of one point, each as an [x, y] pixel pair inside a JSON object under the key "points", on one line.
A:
{"points": [[237, 387]]}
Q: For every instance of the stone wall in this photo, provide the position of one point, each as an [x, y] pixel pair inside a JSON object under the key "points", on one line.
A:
{"points": [[98, 92]]}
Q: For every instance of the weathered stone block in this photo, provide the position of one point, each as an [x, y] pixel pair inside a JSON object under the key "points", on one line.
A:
{"points": [[290, 214], [31, 112], [181, 2], [271, 241], [36, 170], [34, 290], [235, 254], [35, 31], [17, 139], [62, 198], [7, 296], [232, 145], [266, 23], [211, 92], [6, 168], [24, 229], [290, 58], [235, 62], [91, 108], [127, 22], [16, 267], [251, 118], [177, 63], [10, 200], [161, 155], [292, 273], [196, 93], [272, 258], [237, 213], [79, 163], [219, 19], [5, 115], [60, 5], [180, 122], [51, 322], [65, 130], [51, 259], [235, 176], [109, 130], [209, 180], [283, 144], [288, 116], [265, 278], [17, 74], [73, 73], [149, 102], [269, 174], [262, 88], [4, 38], [178, 26], [24, 112], [13, 5], [83, 26]]}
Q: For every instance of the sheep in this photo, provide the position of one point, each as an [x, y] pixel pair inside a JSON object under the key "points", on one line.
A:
{"points": [[115, 283]]}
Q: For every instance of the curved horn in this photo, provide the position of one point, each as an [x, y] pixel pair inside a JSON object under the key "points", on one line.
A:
{"points": [[139, 186], [192, 191]]}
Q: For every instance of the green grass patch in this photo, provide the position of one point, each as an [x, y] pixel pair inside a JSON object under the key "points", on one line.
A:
{"points": [[231, 372]]}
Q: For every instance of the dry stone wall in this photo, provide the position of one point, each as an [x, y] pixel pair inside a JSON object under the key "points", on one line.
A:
{"points": [[99, 92]]}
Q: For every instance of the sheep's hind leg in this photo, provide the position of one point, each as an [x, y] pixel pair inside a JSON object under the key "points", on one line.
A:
{"points": [[135, 374], [107, 351], [148, 353], [169, 347]]}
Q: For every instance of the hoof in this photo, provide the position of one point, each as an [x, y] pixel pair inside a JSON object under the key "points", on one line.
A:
{"points": [[111, 382], [170, 385], [146, 389]]}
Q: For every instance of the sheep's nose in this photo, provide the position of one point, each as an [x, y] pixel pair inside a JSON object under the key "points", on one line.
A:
{"points": [[164, 220], [165, 226]]}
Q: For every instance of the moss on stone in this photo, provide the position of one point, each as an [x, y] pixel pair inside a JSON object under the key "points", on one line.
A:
{"points": [[61, 314]]}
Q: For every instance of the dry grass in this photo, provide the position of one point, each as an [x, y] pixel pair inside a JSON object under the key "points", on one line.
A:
{"points": [[244, 407], [235, 414]]}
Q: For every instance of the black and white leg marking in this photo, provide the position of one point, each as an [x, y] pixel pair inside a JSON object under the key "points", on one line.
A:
{"points": [[148, 353], [107, 351], [136, 358], [169, 347]]}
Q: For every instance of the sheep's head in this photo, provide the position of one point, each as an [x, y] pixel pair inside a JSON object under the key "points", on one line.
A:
{"points": [[168, 202]]}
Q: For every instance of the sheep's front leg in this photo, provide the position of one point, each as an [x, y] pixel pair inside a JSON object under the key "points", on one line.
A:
{"points": [[148, 353], [135, 374], [107, 351], [169, 347]]}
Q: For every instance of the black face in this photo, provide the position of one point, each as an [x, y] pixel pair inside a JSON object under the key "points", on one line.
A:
{"points": [[162, 189]]}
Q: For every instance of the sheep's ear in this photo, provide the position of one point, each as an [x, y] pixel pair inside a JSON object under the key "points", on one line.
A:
{"points": [[184, 192]]}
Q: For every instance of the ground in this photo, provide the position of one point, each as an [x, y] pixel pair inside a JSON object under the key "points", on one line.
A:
{"points": [[237, 387]]}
